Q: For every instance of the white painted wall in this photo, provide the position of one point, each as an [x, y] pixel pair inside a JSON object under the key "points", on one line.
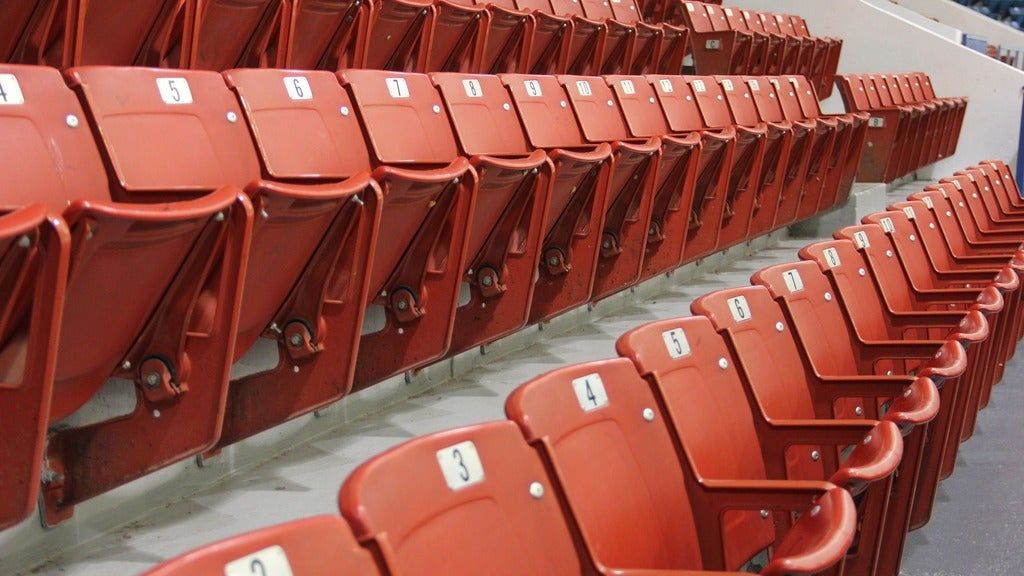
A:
{"points": [[876, 40], [939, 27], [966, 20]]}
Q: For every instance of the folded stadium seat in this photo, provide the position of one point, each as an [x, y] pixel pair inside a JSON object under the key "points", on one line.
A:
{"points": [[321, 35], [684, 115], [600, 427], [900, 293], [756, 330], [629, 199], [776, 42], [760, 41], [810, 48], [181, 307], [230, 34], [1004, 188], [15, 19], [960, 104], [580, 182], [657, 48], [793, 46], [430, 195], [887, 133], [874, 318], [937, 114], [615, 53], [826, 57], [294, 302], [507, 231], [917, 134], [846, 153], [694, 377], [109, 32], [676, 175], [776, 144], [823, 141], [717, 49], [311, 546], [34, 250], [806, 296], [329, 210], [399, 35], [482, 490], [794, 153], [747, 160]]}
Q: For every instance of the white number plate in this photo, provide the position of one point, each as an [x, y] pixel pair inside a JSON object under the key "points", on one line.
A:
{"points": [[270, 561], [590, 392], [473, 88], [174, 90], [532, 88], [862, 239], [627, 87], [460, 465], [10, 91], [298, 88], [739, 309], [793, 280], [583, 88], [397, 87], [676, 343], [831, 257]]}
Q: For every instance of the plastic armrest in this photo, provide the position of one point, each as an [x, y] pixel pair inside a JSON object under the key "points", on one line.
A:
{"points": [[835, 387]]}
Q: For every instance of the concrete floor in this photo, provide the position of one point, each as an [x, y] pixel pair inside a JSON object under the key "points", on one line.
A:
{"points": [[977, 528]]}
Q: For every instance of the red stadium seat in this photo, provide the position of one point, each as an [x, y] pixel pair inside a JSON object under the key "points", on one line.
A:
{"points": [[34, 250], [786, 175], [322, 35], [317, 545], [629, 199], [676, 175], [15, 19], [717, 48], [759, 338], [581, 179], [482, 503], [171, 342], [775, 151], [429, 195], [507, 233], [600, 427]]}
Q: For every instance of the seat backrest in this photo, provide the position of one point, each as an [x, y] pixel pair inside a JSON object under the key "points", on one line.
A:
{"points": [[596, 9], [116, 33], [597, 111], [711, 101], [309, 546], [914, 80], [734, 17], [678, 103], [769, 23], [800, 25], [696, 17], [750, 318], [906, 90], [769, 109], [814, 313], [717, 17], [903, 235], [302, 122], [15, 16], [870, 82], [689, 367], [740, 100], [474, 501], [785, 25], [936, 198], [806, 96], [854, 93], [639, 105], [927, 226], [620, 471], [788, 99], [482, 114], [544, 110], [846, 267], [884, 90], [402, 117], [47, 153], [228, 31], [167, 133], [753, 20], [879, 252], [926, 86], [626, 11]]}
